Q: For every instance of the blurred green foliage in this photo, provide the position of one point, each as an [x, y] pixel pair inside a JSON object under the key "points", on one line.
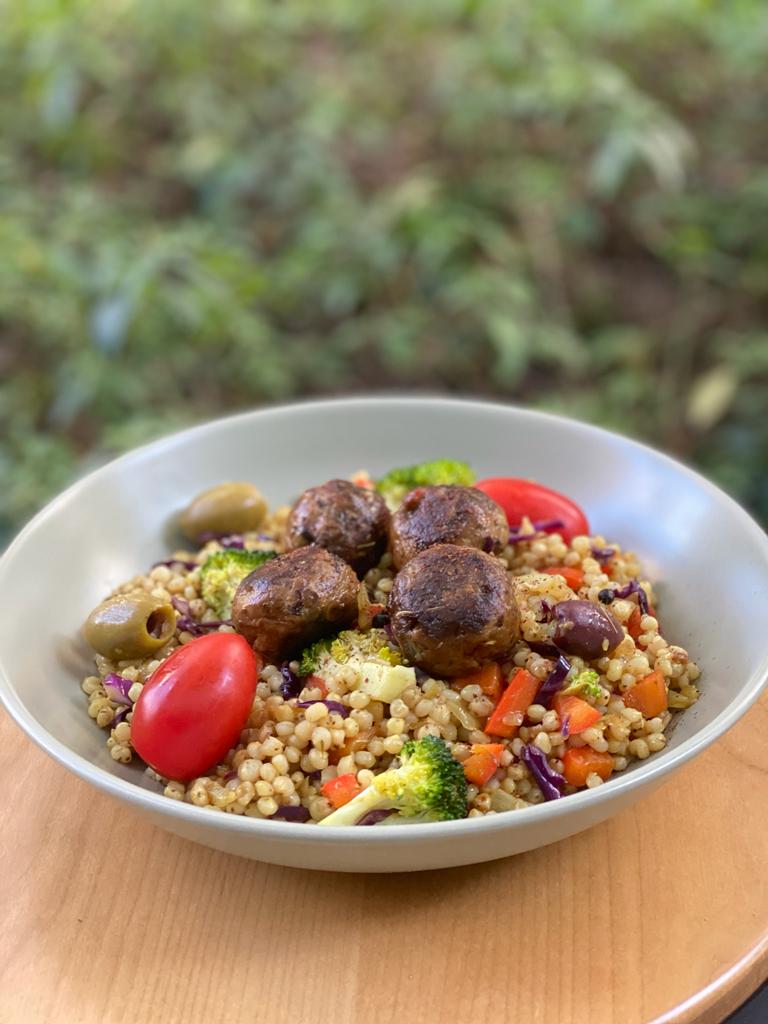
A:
{"points": [[208, 206]]}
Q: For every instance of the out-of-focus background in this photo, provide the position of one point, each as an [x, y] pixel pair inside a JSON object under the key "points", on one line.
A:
{"points": [[207, 207]]}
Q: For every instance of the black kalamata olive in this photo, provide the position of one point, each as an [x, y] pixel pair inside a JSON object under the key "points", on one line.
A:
{"points": [[606, 596], [585, 629]]}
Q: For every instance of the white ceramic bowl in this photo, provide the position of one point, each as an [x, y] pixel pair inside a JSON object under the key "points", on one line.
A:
{"points": [[709, 559]]}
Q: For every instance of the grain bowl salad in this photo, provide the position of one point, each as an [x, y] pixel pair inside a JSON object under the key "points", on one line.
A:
{"points": [[415, 648]]}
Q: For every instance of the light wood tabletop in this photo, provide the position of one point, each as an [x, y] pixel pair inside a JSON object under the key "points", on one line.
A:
{"points": [[660, 914]]}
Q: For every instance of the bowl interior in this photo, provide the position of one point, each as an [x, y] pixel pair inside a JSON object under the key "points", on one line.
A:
{"points": [[708, 558]]}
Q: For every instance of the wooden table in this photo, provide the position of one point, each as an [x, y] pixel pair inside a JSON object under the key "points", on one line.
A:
{"points": [[658, 915]]}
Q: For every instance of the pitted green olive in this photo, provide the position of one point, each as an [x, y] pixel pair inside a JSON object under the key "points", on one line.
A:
{"points": [[221, 510], [129, 626]]}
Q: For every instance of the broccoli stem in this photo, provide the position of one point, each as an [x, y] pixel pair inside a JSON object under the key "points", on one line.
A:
{"points": [[428, 782], [351, 812]]}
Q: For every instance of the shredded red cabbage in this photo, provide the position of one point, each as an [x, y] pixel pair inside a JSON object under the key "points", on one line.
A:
{"points": [[546, 609], [545, 650], [633, 587], [176, 561], [550, 782], [515, 537], [286, 813], [230, 540], [227, 540], [291, 685], [375, 816], [565, 726], [540, 526], [117, 687], [189, 625], [332, 705], [545, 525], [553, 682], [603, 554]]}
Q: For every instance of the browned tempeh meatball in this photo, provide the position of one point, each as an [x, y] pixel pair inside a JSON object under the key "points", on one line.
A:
{"points": [[293, 600], [348, 520], [446, 515], [452, 609]]}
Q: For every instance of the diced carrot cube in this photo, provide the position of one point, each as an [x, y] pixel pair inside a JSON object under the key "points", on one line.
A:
{"points": [[581, 762]]}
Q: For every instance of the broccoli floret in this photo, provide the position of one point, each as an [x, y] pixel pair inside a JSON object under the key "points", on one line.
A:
{"points": [[222, 573], [349, 644], [428, 783], [585, 682], [397, 482], [312, 655]]}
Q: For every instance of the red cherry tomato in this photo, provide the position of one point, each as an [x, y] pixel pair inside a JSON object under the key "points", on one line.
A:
{"points": [[194, 706], [521, 498]]}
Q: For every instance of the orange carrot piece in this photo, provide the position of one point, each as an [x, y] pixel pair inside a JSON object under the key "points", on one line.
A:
{"points": [[580, 714], [572, 576], [319, 684], [649, 696], [633, 624], [488, 678], [483, 762], [508, 715], [579, 762], [364, 481], [350, 746], [494, 749], [339, 791], [478, 768]]}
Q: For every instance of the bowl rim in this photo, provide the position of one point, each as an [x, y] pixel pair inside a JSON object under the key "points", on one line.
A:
{"points": [[655, 768]]}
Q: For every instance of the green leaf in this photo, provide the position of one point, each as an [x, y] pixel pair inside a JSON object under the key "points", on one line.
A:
{"points": [[711, 396]]}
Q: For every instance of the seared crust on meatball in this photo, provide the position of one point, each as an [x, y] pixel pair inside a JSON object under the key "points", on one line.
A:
{"points": [[341, 517], [446, 515], [293, 600], [451, 609]]}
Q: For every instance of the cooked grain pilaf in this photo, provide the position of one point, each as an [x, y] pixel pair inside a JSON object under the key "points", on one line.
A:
{"points": [[286, 753]]}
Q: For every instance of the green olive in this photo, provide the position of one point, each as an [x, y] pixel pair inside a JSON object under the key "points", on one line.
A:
{"points": [[227, 508], [130, 626]]}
